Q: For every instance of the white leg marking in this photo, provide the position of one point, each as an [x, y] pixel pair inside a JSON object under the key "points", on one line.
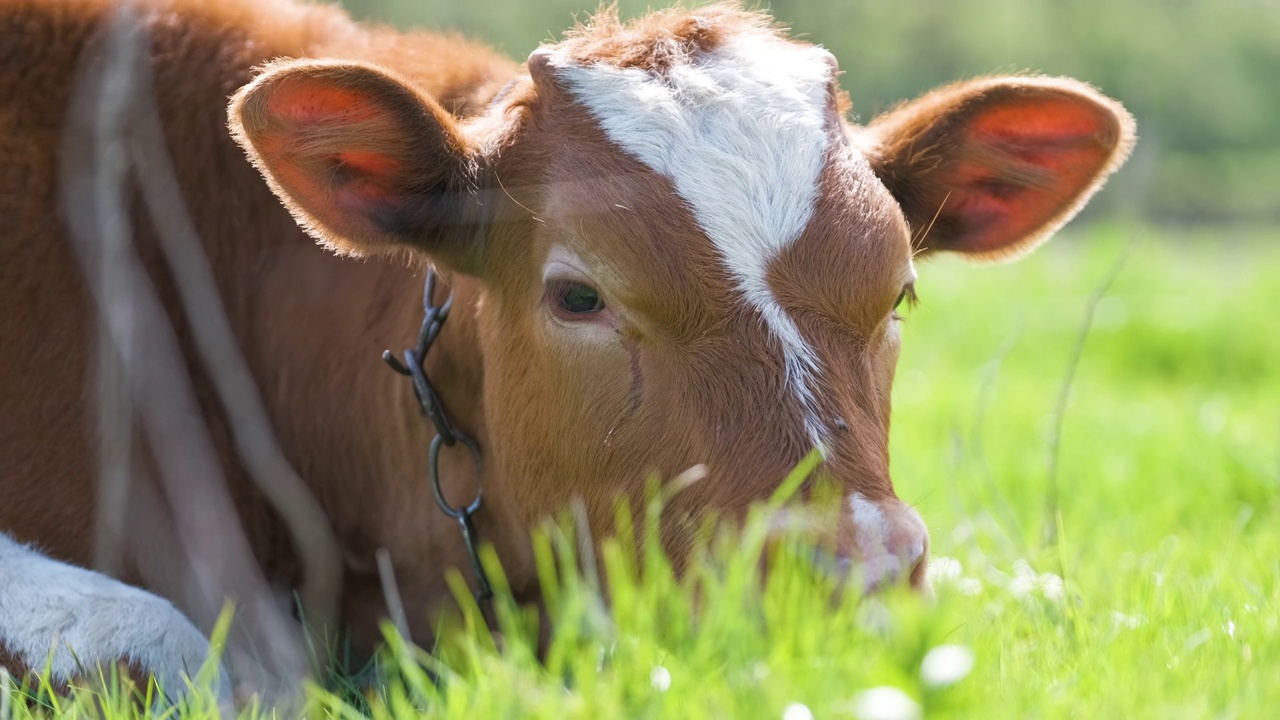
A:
{"points": [[741, 134], [84, 618]]}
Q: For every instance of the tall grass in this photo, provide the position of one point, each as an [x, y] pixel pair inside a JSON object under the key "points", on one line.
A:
{"points": [[1158, 597]]}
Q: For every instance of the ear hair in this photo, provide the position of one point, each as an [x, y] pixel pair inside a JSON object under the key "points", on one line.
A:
{"points": [[994, 167]]}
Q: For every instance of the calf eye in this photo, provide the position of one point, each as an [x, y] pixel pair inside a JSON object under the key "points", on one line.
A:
{"points": [[907, 295], [578, 299]]}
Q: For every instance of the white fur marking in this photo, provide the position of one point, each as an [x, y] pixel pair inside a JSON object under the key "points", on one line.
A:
{"points": [[84, 618], [871, 529], [741, 133], [891, 538]]}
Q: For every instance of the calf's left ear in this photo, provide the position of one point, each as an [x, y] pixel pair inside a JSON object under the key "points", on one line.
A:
{"points": [[365, 163], [991, 168]]}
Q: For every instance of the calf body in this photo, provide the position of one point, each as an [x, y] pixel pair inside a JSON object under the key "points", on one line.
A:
{"points": [[667, 246]]}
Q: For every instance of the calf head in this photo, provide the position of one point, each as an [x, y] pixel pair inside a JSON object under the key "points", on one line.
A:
{"points": [[684, 252]]}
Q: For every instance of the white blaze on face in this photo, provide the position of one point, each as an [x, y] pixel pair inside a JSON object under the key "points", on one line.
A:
{"points": [[741, 133]]}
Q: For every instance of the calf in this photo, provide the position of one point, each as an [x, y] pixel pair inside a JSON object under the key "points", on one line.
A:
{"points": [[667, 247]]}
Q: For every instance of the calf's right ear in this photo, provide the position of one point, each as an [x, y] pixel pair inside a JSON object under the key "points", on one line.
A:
{"points": [[366, 164]]}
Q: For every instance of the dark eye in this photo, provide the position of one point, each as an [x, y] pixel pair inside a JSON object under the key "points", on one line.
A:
{"points": [[908, 295], [578, 299]]}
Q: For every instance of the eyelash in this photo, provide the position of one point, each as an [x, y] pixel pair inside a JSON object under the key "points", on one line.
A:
{"points": [[909, 296]]}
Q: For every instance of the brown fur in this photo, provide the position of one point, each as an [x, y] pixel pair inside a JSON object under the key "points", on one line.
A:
{"points": [[11, 664], [130, 674], [278, 287], [386, 144]]}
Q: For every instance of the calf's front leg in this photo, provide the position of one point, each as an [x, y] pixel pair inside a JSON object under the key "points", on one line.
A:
{"points": [[75, 620]]}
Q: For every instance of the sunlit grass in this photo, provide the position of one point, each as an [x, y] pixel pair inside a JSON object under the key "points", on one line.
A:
{"points": [[1159, 598], [1169, 479]]}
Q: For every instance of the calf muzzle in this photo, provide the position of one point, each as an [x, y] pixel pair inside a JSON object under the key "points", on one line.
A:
{"points": [[881, 543]]}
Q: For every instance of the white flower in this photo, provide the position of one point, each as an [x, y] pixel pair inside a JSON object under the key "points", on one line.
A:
{"points": [[944, 570], [1027, 583], [946, 665], [660, 678], [1128, 622], [797, 711], [1051, 587], [885, 703]]}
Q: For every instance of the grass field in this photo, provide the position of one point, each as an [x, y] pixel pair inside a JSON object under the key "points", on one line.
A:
{"points": [[1144, 585]]}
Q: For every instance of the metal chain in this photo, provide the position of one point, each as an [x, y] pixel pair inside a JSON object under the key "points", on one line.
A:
{"points": [[433, 320]]}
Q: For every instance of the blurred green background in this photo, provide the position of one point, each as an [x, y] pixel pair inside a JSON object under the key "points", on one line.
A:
{"points": [[1202, 76]]}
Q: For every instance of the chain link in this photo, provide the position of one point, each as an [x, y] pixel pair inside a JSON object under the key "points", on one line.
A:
{"points": [[434, 317]]}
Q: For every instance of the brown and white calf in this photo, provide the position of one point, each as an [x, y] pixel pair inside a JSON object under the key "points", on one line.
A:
{"points": [[668, 244]]}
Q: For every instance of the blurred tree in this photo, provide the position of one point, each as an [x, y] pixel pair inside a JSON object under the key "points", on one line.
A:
{"points": [[1202, 76]]}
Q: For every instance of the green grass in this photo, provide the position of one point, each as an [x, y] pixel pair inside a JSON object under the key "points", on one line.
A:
{"points": [[1159, 598]]}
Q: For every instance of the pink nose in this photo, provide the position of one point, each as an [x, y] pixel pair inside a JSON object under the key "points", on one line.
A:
{"points": [[883, 542]]}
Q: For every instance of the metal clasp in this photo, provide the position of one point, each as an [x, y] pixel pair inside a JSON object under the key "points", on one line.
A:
{"points": [[434, 317]]}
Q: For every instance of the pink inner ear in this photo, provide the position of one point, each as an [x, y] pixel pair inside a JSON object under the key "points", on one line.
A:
{"points": [[362, 158], [305, 102], [367, 180], [1047, 120], [320, 155], [1023, 164], [369, 168]]}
